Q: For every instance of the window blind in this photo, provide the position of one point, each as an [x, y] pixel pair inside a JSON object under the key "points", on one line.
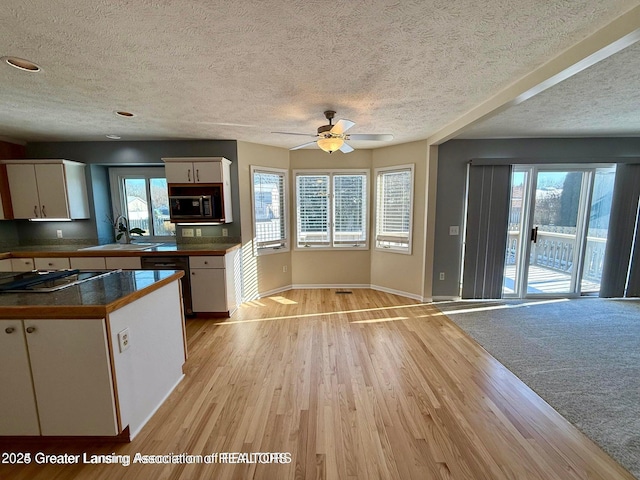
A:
{"points": [[269, 209], [312, 196], [350, 212], [393, 209]]}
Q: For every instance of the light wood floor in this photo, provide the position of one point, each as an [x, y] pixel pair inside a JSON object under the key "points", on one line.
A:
{"points": [[367, 386]]}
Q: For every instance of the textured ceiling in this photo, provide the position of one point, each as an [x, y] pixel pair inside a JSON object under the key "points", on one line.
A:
{"points": [[239, 70], [603, 100]]}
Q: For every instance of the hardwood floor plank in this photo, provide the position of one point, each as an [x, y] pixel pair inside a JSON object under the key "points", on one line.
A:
{"points": [[356, 386]]}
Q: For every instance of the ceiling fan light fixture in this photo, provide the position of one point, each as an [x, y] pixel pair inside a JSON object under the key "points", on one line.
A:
{"points": [[330, 144]]}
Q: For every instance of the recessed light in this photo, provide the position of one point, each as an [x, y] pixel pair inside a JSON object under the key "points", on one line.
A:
{"points": [[114, 137], [122, 113], [21, 64]]}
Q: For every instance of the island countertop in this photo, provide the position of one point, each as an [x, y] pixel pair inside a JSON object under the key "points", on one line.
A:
{"points": [[91, 299], [163, 249]]}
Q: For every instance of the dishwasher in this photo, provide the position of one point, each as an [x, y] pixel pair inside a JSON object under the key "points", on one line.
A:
{"points": [[173, 263]]}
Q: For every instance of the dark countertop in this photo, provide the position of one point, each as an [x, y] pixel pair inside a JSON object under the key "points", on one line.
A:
{"points": [[91, 299], [80, 250]]}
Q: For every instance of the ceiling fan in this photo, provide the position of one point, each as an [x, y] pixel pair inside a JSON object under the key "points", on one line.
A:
{"points": [[332, 137]]}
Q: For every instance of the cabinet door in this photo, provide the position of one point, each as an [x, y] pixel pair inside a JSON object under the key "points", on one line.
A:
{"points": [[52, 190], [24, 190], [5, 265], [17, 402], [71, 371], [179, 172], [208, 290], [52, 263], [207, 172]]}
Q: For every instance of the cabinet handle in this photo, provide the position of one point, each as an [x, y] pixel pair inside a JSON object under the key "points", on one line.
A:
{"points": [[44, 212], [35, 211], [50, 264], [9, 330], [197, 174], [206, 262], [31, 329], [189, 175]]}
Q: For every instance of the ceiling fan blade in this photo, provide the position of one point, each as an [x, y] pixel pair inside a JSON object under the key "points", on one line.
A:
{"points": [[385, 137], [346, 148], [292, 133], [342, 126], [303, 145]]}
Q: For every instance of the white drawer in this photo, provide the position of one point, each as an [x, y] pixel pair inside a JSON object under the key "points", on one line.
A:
{"points": [[207, 261], [52, 263], [22, 264]]}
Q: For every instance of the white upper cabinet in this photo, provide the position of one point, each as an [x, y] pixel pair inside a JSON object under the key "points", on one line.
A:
{"points": [[197, 170], [47, 189]]}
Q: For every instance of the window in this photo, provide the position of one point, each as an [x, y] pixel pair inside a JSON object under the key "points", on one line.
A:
{"points": [[394, 203], [270, 212], [140, 194], [331, 209]]}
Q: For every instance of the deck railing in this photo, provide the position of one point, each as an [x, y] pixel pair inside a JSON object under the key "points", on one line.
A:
{"points": [[555, 251]]}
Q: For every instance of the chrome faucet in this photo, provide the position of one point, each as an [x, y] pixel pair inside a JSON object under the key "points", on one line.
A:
{"points": [[122, 230]]}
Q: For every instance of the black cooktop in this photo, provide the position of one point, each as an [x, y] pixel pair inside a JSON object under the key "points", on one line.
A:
{"points": [[45, 281]]}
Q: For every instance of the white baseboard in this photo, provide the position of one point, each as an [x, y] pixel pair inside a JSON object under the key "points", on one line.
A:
{"points": [[316, 286], [400, 293], [446, 298]]}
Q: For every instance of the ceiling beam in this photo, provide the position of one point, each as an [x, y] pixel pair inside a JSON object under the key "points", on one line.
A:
{"points": [[610, 39]]}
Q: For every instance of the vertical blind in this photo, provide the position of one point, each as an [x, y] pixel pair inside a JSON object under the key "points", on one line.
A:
{"points": [[486, 233], [269, 212], [393, 208], [621, 269]]}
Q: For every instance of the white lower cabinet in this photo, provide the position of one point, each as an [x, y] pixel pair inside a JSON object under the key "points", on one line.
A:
{"points": [[59, 374], [213, 283], [5, 265]]}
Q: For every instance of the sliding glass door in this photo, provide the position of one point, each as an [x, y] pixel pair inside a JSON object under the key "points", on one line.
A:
{"points": [[555, 247]]}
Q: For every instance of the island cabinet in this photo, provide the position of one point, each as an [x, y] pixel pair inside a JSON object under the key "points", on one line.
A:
{"points": [[47, 189], [213, 286], [22, 264], [45, 364]]}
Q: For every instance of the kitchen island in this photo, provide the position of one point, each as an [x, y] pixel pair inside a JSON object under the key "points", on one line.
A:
{"points": [[95, 359]]}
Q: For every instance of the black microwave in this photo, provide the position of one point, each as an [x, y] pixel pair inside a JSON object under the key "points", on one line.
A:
{"points": [[195, 207]]}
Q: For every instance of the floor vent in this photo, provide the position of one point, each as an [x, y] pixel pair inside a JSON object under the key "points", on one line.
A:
{"points": [[343, 291]]}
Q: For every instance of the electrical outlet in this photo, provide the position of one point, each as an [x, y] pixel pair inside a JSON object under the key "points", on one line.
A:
{"points": [[123, 340], [284, 269], [59, 233], [225, 232], [198, 232], [454, 230], [187, 232], [441, 275]]}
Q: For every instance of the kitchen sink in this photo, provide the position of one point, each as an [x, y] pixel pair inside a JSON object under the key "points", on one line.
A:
{"points": [[123, 246]]}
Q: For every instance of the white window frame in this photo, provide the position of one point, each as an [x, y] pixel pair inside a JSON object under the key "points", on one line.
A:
{"points": [[378, 172], [116, 184], [285, 245], [331, 173]]}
